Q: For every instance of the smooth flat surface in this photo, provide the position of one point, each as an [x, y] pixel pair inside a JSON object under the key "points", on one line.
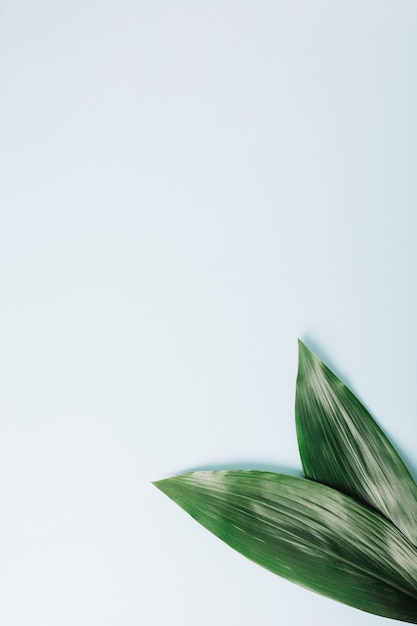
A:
{"points": [[186, 189]]}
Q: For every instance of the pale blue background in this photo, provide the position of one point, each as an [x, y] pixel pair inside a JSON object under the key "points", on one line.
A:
{"points": [[186, 188]]}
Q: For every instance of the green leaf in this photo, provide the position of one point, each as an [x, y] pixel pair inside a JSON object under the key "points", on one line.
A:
{"points": [[308, 533], [342, 446]]}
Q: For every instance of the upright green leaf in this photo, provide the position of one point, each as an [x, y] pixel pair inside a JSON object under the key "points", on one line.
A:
{"points": [[308, 533], [342, 446]]}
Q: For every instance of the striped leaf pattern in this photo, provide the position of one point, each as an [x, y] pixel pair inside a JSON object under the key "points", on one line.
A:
{"points": [[347, 530], [341, 446]]}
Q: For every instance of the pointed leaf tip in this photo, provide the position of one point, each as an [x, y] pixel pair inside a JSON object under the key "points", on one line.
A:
{"points": [[301, 344], [306, 359], [164, 485], [302, 348]]}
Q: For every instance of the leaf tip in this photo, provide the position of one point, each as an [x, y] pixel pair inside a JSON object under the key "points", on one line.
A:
{"points": [[159, 484], [171, 487], [303, 350], [306, 358]]}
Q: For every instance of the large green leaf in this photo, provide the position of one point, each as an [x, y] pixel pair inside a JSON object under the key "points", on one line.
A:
{"points": [[308, 533], [342, 446]]}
